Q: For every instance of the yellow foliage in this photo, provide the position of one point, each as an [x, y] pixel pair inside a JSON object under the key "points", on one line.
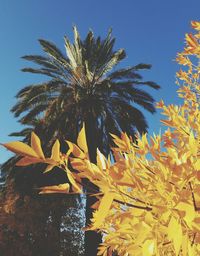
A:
{"points": [[149, 201]]}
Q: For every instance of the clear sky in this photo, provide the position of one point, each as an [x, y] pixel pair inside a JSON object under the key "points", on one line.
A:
{"points": [[151, 31]]}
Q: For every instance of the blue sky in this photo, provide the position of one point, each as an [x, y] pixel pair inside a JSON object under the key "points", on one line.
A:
{"points": [[151, 31]]}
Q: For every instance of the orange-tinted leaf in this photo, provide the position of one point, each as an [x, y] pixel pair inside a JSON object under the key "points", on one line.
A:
{"points": [[20, 148], [49, 168], [55, 152], [104, 208], [75, 150], [196, 25], [78, 164], [76, 187], [101, 161], [28, 160], [189, 211], [36, 145], [81, 140], [62, 188]]}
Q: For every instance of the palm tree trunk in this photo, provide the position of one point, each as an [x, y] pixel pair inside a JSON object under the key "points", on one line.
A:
{"points": [[92, 238]]}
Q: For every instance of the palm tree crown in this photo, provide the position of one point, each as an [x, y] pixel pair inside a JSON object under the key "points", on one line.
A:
{"points": [[82, 87]]}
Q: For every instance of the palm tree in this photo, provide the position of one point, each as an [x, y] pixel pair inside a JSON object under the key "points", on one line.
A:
{"points": [[85, 87]]}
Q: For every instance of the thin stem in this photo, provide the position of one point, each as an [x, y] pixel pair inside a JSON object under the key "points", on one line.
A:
{"points": [[133, 205], [133, 198], [193, 239], [193, 198]]}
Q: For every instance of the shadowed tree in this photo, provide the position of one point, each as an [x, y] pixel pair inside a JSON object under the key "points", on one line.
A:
{"points": [[84, 86], [48, 224]]}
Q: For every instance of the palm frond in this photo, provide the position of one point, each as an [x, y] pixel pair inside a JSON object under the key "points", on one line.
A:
{"points": [[23, 133], [41, 60], [42, 71], [149, 83], [53, 51], [142, 66], [33, 113], [124, 73], [130, 117], [114, 60]]}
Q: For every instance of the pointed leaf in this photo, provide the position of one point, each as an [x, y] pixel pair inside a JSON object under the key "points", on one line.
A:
{"points": [[36, 145], [76, 187], [49, 168], [20, 148], [75, 150], [81, 141], [61, 188], [148, 248], [189, 211], [103, 210], [28, 160], [101, 161], [175, 234], [55, 152]]}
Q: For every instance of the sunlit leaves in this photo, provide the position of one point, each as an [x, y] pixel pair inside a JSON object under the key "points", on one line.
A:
{"points": [[175, 234], [36, 145], [103, 210], [55, 159], [20, 148], [34, 154], [75, 186], [148, 198], [148, 248], [196, 25]]}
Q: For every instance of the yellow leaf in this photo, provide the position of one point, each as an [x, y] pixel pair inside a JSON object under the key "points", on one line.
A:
{"points": [[191, 250], [81, 140], [195, 25], [55, 152], [101, 161], [49, 168], [36, 145], [78, 164], [75, 150], [28, 160], [189, 211], [185, 245], [193, 144], [175, 234], [20, 148], [126, 139], [148, 248], [120, 143], [76, 187], [143, 230], [103, 210], [115, 172], [61, 188], [197, 165]]}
